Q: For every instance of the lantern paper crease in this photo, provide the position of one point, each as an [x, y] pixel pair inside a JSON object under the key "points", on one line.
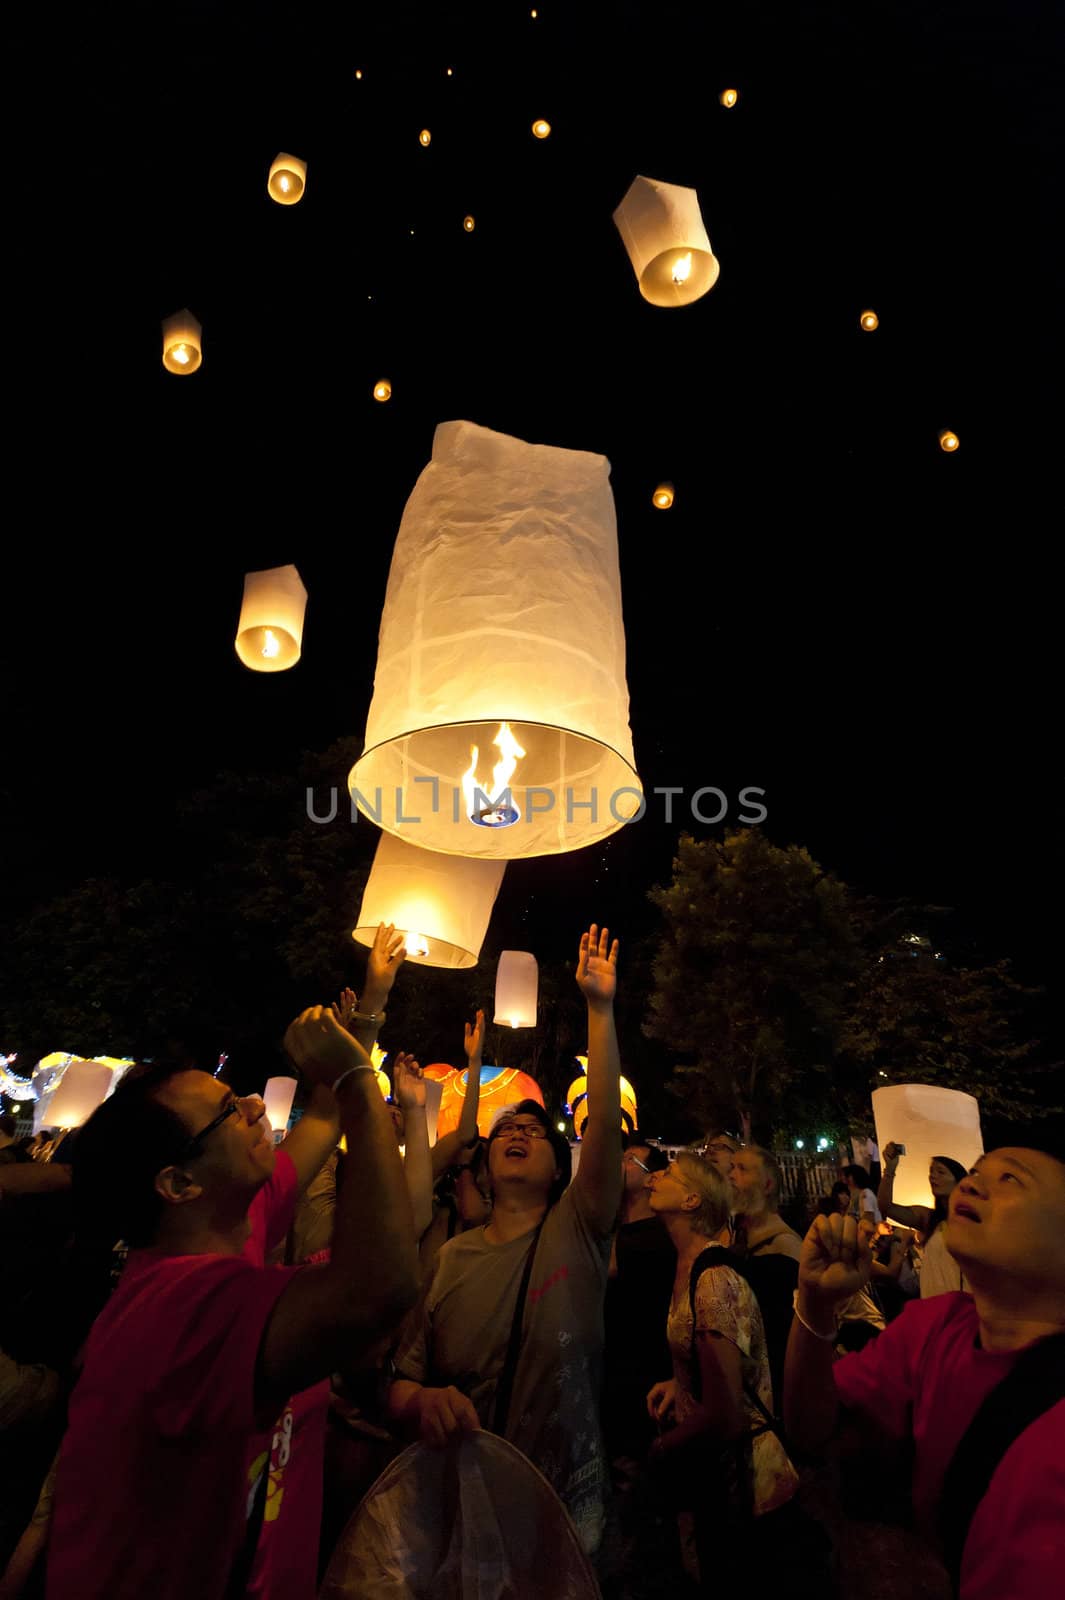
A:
{"points": [[503, 608]]}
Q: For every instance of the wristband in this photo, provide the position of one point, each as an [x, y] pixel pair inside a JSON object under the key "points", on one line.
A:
{"points": [[373, 1017], [347, 1074], [827, 1338]]}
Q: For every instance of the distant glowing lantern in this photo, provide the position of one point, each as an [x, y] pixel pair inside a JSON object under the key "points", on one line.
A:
{"points": [[667, 242], [577, 1100], [728, 97], [869, 321], [517, 981], [288, 179], [382, 389], [182, 343], [930, 1122], [425, 138], [270, 631], [85, 1085], [663, 496], [279, 1095], [500, 1087], [504, 569], [440, 903], [358, 72], [469, 224], [541, 129], [948, 441], [450, 73]]}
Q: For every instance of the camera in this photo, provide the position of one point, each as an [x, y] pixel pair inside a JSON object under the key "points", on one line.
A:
{"points": [[900, 1149]]}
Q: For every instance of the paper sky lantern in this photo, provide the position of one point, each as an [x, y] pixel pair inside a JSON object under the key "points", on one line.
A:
{"points": [[425, 138], [182, 343], [441, 904], [85, 1085], [288, 179], [270, 631], [663, 496], [541, 129], [667, 243], [469, 224], [279, 1095], [869, 321], [930, 1122], [382, 390], [948, 441], [500, 1087], [728, 98], [517, 981], [501, 657]]}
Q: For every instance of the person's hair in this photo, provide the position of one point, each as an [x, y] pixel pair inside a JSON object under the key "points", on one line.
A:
{"points": [[722, 1133], [8, 1124], [859, 1174], [558, 1142], [126, 1141], [774, 1171], [942, 1201], [657, 1160], [713, 1192], [838, 1188], [826, 1206]]}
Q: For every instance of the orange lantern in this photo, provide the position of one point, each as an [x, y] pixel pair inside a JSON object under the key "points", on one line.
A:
{"points": [[506, 1087], [577, 1100]]}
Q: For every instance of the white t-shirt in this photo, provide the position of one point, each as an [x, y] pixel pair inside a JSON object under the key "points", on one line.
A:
{"points": [[863, 1202], [940, 1273]]}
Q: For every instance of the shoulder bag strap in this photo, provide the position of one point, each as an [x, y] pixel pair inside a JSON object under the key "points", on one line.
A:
{"points": [[1034, 1384], [505, 1387], [723, 1258]]}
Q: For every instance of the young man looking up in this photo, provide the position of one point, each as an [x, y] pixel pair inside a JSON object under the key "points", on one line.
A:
{"points": [[450, 1364], [192, 1463]]}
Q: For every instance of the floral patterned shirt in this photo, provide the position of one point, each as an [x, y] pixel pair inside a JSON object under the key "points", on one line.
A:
{"points": [[725, 1306]]}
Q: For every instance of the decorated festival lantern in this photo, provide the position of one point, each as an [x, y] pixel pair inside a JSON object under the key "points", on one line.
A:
{"points": [[663, 232], [278, 1098], [441, 904], [270, 631], [182, 343], [500, 1087], [499, 721], [517, 982], [50, 1074], [930, 1122], [288, 179], [85, 1085], [577, 1102]]}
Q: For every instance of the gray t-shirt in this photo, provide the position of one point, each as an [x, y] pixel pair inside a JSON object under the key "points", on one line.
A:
{"points": [[462, 1329]]}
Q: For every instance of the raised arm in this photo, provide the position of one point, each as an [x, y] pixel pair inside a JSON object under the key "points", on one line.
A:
{"points": [[408, 1086], [316, 1135], [599, 1174], [909, 1216], [328, 1316], [835, 1264], [446, 1150]]}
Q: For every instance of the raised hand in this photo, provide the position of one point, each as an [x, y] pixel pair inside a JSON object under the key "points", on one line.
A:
{"points": [[836, 1262], [408, 1083], [384, 961], [344, 1008], [473, 1044], [890, 1154], [321, 1048], [597, 967]]}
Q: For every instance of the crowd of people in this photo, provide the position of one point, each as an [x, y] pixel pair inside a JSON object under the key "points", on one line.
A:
{"points": [[214, 1345]]}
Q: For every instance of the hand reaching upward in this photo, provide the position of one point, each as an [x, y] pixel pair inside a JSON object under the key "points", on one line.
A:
{"points": [[597, 967]]}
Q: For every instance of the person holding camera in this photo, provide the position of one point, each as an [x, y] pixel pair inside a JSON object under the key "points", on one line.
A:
{"points": [[939, 1273]]}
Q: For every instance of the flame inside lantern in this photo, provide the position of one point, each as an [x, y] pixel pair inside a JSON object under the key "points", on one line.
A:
{"points": [[501, 812]]}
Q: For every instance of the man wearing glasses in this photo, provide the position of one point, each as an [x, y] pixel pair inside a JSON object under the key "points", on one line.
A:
{"points": [[192, 1463], [643, 1264], [452, 1368]]}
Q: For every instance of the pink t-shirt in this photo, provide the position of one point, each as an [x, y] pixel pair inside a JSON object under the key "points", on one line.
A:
{"points": [[925, 1378], [162, 1452]]}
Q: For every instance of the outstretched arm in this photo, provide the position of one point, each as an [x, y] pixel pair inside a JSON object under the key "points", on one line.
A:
{"points": [[835, 1264], [599, 1174], [408, 1084], [446, 1150], [909, 1216]]}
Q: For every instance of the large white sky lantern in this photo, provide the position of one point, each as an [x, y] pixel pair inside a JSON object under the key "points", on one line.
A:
{"points": [[930, 1122], [517, 983], [278, 1097], [663, 232], [440, 903], [270, 631], [85, 1086], [499, 725]]}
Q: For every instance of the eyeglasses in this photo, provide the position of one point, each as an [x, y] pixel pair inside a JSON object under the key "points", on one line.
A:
{"points": [[234, 1108], [531, 1130], [716, 1148], [638, 1163]]}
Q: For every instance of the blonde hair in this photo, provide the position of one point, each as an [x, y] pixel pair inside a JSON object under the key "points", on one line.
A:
{"points": [[707, 1182]]}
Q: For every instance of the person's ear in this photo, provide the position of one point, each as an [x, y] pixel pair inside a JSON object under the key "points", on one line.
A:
{"points": [[174, 1185], [690, 1202]]}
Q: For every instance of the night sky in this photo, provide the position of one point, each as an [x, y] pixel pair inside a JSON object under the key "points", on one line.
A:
{"points": [[833, 610]]}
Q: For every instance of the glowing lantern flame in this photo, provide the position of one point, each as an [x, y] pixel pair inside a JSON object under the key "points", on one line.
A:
{"points": [[417, 944], [682, 268], [284, 183], [272, 647], [181, 353], [510, 752]]}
